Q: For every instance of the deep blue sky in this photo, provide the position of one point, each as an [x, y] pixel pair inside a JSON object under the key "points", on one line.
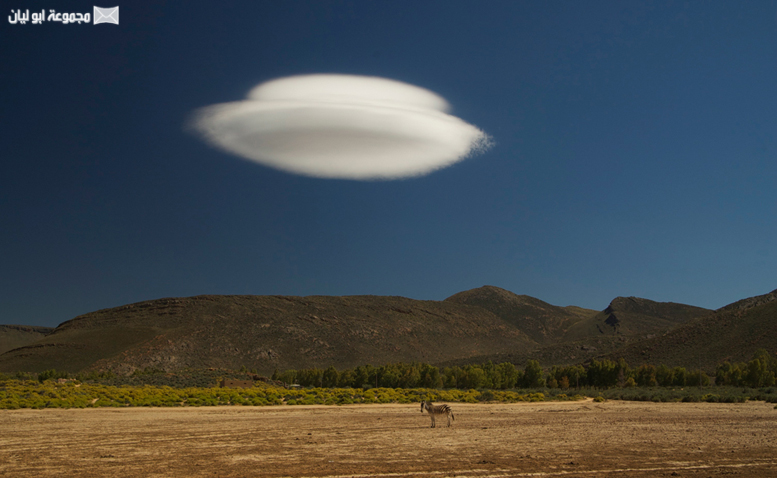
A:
{"points": [[636, 154]]}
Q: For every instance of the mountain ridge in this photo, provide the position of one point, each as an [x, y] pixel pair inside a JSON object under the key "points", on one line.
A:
{"points": [[486, 323]]}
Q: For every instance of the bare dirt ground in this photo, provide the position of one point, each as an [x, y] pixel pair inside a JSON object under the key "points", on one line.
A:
{"points": [[492, 440]]}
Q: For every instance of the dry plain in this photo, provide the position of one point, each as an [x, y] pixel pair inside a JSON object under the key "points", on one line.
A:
{"points": [[584, 438]]}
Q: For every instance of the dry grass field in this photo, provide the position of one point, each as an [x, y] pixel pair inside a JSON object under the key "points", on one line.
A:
{"points": [[631, 439]]}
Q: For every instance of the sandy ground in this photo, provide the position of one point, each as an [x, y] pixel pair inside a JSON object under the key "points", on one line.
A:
{"points": [[491, 440]]}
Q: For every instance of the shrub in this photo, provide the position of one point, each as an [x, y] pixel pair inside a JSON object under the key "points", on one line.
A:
{"points": [[10, 405], [486, 396]]}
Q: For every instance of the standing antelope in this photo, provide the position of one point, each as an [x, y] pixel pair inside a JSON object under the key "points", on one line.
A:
{"points": [[435, 410]]}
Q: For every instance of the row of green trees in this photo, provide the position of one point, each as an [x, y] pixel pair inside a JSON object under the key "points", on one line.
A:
{"points": [[758, 372], [605, 373], [419, 375]]}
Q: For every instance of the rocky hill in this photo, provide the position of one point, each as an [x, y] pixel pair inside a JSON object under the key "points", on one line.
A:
{"points": [[634, 318], [732, 333], [569, 335], [268, 332]]}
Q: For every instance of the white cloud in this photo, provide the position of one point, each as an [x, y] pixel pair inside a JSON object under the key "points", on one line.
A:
{"points": [[342, 126]]}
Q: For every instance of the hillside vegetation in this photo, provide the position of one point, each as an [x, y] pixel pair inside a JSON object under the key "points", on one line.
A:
{"points": [[14, 336]]}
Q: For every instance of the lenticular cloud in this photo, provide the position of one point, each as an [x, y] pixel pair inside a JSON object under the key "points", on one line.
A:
{"points": [[342, 126]]}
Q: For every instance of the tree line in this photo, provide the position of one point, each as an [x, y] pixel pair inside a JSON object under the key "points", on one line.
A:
{"points": [[758, 372], [604, 373]]}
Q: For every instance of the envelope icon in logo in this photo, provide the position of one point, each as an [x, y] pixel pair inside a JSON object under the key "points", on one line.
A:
{"points": [[106, 15]]}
